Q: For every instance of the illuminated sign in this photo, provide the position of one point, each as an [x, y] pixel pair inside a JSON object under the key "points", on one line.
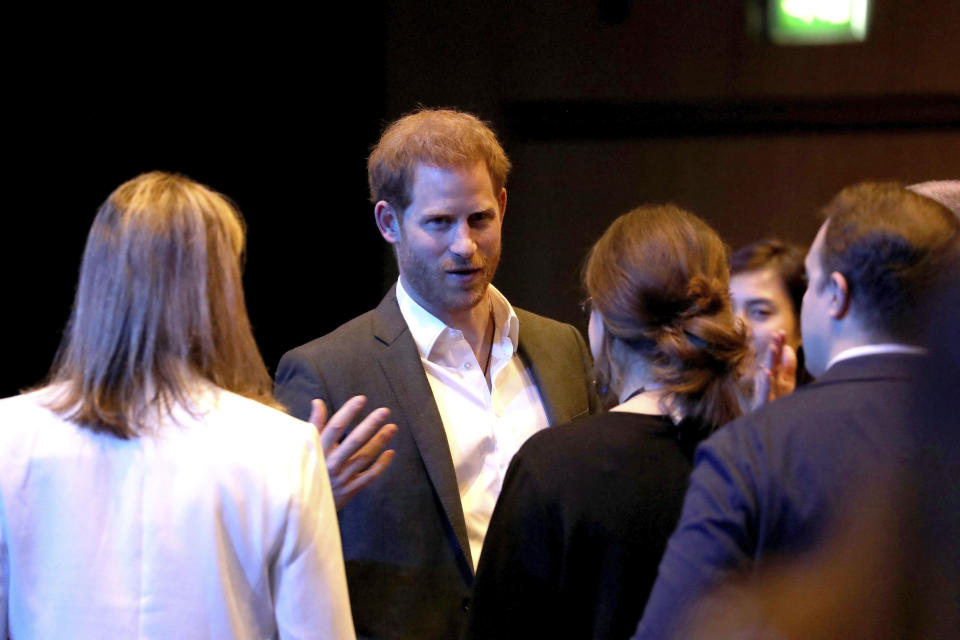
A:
{"points": [[818, 21]]}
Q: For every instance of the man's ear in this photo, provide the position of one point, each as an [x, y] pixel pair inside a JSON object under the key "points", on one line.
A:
{"points": [[388, 221], [502, 199], [839, 296]]}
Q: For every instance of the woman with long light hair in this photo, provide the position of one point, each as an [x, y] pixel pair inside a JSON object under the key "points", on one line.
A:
{"points": [[151, 489]]}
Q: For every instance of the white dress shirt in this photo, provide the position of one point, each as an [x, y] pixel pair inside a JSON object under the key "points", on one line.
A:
{"points": [[220, 525], [485, 425]]}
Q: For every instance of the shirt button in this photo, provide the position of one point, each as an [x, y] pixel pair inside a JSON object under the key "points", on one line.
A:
{"points": [[467, 366]]}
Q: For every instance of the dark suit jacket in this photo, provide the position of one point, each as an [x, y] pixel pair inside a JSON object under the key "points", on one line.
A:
{"points": [[772, 482], [405, 543]]}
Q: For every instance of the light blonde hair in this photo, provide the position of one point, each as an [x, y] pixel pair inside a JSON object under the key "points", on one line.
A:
{"points": [[159, 304]]}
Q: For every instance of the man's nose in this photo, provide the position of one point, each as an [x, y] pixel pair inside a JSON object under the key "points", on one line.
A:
{"points": [[463, 243]]}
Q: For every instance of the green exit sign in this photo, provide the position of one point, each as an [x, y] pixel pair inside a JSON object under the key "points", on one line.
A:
{"points": [[818, 21]]}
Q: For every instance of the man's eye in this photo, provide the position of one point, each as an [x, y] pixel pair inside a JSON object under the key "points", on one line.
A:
{"points": [[438, 222], [760, 314], [479, 219]]}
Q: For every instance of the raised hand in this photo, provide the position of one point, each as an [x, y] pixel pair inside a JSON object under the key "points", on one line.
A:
{"points": [[356, 461], [777, 374]]}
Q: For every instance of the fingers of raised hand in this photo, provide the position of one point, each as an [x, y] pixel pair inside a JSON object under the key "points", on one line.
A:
{"points": [[761, 387], [788, 361], [358, 471], [370, 452], [318, 413], [331, 432], [364, 437], [774, 351], [361, 480], [787, 375], [765, 380]]}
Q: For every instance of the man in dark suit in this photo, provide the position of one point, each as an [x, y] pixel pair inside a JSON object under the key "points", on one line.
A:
{"points": [[773, 482], [466, 377]]}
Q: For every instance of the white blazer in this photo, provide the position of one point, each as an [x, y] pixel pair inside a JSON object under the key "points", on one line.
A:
{"points": [[217, 525]]}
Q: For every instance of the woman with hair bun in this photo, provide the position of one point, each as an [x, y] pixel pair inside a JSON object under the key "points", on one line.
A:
{"points": [[586, 508]]}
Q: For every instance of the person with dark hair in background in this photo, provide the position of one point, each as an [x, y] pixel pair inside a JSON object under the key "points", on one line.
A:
{"points": [[773, 482], [151, 489], [767, 282], [587, 507], [467, 377]]}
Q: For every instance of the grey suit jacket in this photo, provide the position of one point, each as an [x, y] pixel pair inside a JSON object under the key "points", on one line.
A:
{"points": [[404, 538]]}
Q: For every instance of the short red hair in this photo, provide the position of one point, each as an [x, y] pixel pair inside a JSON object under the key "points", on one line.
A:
{"points": [[435, 137]]}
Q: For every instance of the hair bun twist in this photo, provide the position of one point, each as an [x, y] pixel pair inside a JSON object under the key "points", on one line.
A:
{"points": [[707, 296], [658, 277]]}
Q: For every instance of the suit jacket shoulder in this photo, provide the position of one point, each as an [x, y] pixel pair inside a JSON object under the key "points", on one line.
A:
{"points": [[561, 366], [336, 366]]}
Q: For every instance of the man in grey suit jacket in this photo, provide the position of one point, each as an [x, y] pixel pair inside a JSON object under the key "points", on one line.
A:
{"points": [[466, 377], [774, 482]]}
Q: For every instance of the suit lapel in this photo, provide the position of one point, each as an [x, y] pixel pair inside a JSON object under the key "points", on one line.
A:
{"points": [[562, 394], [400, 362]]}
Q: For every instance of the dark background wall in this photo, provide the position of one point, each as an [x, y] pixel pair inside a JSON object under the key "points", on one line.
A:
{"points": [[601, 105], [605, 105], [273, 111]]}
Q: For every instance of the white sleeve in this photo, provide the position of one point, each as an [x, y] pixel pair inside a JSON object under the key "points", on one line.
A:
{"points": [[309, 578], [4, 579]]}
